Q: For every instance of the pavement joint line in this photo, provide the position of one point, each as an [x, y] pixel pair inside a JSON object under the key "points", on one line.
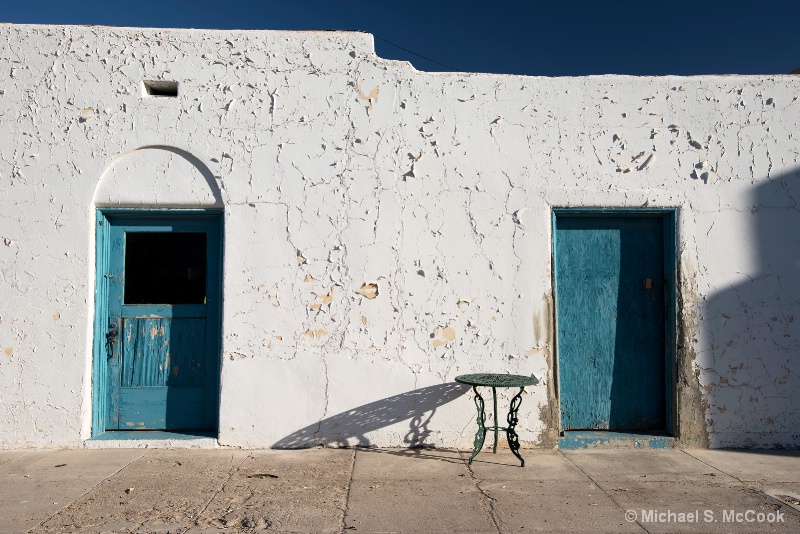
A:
{"points": [[70, 503], [754, 486], [19, 458], [346, 507], [774, 494], [488, 500], [737, 479], [607, 494], [235, 470]]}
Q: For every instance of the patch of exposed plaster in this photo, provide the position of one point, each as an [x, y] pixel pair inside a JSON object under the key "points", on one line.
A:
{"points": [[442, 337], [368, 98], [549, 411], [369, 291], [692, 421]]}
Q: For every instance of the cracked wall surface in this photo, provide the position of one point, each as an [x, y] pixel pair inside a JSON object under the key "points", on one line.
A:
{"points": [[387, 229]]}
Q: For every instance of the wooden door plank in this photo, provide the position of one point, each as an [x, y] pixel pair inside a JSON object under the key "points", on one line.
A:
{"points": [[587, 290]]}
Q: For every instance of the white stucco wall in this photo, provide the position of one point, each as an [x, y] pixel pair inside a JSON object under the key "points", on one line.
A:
{"points": [[337, 169]]}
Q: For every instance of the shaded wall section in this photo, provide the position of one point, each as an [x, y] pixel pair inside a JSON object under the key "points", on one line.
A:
{"points": [[751, 370]]}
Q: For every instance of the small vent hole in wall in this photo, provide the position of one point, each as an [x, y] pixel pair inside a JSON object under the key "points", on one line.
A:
{"points": [[159, 88]]}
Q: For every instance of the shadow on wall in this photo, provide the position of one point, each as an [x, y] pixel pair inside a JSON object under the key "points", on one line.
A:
{"points": [[158, 176], [752, 373], [417, 407]]}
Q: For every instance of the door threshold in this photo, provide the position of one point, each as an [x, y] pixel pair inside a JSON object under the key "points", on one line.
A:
{"points": [[153, 439], [606, 439]]}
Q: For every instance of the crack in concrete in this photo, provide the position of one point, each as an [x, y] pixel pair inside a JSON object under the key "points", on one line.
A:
{"points": [[196, 518], [346, 506], [486, 500]]}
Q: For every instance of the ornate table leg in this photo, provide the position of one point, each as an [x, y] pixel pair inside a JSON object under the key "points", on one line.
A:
{"points": [[494, 398], [480, 435], [511, 435]]}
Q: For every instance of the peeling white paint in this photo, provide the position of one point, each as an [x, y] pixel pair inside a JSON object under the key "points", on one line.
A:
{"points": [[338, 171]]}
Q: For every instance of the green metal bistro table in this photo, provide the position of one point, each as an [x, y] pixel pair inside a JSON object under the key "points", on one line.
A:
{"points": [[495, 381]]}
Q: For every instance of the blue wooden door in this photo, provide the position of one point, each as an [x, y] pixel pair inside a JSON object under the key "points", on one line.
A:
{"points": [[163, 276], [611, 284]]}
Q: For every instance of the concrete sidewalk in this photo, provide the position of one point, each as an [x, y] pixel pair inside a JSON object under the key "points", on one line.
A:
{"points": [[391, 490]]}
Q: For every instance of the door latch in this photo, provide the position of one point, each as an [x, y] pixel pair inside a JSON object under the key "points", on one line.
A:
{"points": [[111, 336]]}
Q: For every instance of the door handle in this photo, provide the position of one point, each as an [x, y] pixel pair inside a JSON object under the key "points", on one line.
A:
{"points": [[111, 337], [648, 283]]}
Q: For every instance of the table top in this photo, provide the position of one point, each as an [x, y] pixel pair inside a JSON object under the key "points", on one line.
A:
{"points": [[497, 380]]}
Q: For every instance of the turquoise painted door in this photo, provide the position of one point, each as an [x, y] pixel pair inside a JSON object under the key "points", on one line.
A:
{"points": [[611, 284], [163, 332]]}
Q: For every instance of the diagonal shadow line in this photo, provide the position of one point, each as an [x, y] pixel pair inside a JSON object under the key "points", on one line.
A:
{"points": [[416, 407], [201, 167]]}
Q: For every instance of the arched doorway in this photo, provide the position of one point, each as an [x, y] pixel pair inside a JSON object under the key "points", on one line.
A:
{"points": [[158, 295]]}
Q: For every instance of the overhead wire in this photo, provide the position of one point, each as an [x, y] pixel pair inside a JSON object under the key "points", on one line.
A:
{"points": [[418, 55]]}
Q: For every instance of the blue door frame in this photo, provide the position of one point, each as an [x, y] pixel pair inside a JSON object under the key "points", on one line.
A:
{"points": [[589, 336], [177, 388]]}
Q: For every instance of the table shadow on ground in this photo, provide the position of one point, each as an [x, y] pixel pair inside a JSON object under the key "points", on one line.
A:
{"points": [[351, 427], [420, 452]]}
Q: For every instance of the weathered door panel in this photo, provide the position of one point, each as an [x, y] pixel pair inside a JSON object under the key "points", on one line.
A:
{"points": [[163, 288], [163, 352], [610, 294]]}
